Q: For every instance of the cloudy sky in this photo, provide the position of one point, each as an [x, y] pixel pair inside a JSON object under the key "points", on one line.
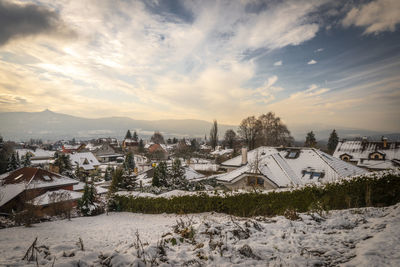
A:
{"points": [[311, 62]]}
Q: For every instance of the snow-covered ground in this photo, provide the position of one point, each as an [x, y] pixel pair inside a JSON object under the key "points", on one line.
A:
{"points": [[355, 237]]}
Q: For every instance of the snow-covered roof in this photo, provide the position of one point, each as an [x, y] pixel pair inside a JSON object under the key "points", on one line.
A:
{"points": [[86, 160], [79, 186], [14, 183], [251, 155], [191, 174], [360, 151], [56, 196], [222, 152], [8, 192], [37, 154], [311, 165]]}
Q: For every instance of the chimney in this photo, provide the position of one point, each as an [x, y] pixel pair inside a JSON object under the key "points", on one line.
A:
{"points": [[244, 155], [384, 139]]}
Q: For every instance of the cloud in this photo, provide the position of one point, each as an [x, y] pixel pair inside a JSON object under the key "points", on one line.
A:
{"points": [[21, 20], [376, 17], [312, 62], [318, 50], [278, 63]]}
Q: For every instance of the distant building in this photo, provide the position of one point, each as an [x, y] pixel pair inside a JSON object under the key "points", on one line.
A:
{"points": [[371, 155], [85, 160], [38, 157], [270, 168]]}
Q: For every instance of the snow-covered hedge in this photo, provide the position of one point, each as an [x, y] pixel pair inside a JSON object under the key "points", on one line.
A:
{"points": [[362, 191]]}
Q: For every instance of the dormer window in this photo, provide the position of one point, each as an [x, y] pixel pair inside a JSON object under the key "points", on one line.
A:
{"points": [[312, 174], [292, 154]]}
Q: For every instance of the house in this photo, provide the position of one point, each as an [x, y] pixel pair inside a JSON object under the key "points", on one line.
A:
{"points": [[130, 144], [72, 148], [38, 157], [27, 183], [55, 202], [157, 151], [85, 160], [106, 153], [371, 155], [270, 168]]}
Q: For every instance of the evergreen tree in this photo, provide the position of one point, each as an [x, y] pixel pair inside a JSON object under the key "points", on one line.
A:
{"points": [[128, 135], [117, 178], [12, 163], [333, 141], [135, 136], [87, 202], [141, 146], [129, 163], [27, 160], [160, 177], [107, 175], [78, 172], [63, 163], [310, 140], [177, 175], [18, 161]]}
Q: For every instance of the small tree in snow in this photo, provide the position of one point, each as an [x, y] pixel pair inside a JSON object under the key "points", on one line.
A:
{"points": [[27, 160], [12, 163], [129, 163], [160, 177], [87, 203], [177, 175]]}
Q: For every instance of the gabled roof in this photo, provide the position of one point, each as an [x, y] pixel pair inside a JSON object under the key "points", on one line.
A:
{"points": [[86, 160], [296, 171], [14, 183], [55, 197], [361, 151]]}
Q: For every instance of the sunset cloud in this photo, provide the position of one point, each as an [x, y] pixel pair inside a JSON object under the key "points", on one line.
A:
{"points": [[193, 59]]}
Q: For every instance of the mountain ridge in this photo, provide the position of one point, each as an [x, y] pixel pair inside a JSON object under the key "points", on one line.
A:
{"points": [[49, 125]]}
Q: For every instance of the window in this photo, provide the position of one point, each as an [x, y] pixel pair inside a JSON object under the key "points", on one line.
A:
{"points": [[251, 180], [255, 181], [313, 174], [292, 154]]}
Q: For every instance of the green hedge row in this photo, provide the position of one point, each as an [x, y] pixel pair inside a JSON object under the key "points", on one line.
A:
{"points": [[359, 192]]}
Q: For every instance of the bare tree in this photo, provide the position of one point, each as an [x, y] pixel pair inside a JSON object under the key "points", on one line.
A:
{"points": [[230, 138], [273, 131], [249, 130], [157, 138], [214, 135]]}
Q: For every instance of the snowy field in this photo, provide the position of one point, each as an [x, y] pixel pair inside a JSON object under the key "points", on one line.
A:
{"points": [[356, 237]]}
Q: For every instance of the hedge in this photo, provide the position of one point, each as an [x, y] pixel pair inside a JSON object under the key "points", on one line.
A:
{"points": [[355, 193]]}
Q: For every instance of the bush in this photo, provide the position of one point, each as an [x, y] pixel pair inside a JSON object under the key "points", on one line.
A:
{"points": [[355, 193]]}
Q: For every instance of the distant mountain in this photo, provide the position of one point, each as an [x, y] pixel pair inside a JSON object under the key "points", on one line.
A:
{"points": [[48, 125], [323, 131]]}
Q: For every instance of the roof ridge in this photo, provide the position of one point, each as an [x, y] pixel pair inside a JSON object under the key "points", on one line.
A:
{"points": [[284, 171], [33, 176], [330, 166]]}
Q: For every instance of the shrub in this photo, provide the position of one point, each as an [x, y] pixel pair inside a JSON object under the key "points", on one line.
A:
{"points": [[355, 193]]}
